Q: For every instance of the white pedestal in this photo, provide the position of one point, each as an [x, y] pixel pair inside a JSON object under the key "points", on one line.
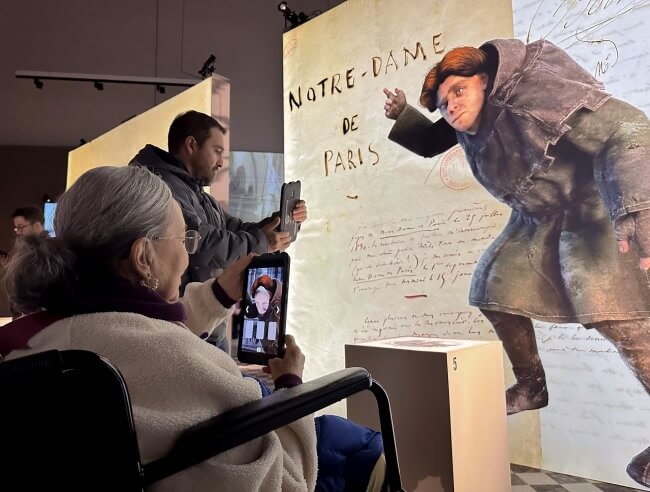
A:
{"points": [[448, 404]]}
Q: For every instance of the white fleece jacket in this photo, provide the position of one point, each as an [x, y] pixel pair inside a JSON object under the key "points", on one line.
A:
{"points": [[175, 380]]}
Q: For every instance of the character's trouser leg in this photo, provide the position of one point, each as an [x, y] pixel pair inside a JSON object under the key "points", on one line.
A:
{"points": [[518, 338], [632, 340]]}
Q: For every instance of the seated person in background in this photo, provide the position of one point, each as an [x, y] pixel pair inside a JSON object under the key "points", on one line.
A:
{"points": [[109, 283], [28, 220]]}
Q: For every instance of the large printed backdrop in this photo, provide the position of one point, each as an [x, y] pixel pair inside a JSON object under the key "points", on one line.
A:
{"points": [[392, 238]]}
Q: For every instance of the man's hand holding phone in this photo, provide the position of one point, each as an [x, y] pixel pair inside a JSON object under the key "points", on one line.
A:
{"points": [[299, 212], [278, 240], [293, 361]]}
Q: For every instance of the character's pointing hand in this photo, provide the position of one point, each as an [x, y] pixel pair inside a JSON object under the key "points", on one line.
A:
{"points": [[394, 104]]}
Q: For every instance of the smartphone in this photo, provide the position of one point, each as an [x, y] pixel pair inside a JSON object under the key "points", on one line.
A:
{"points": [[289, 196], [262, 319]]}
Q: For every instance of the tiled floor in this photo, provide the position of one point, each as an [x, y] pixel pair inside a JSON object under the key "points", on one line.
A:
{"points": [[524, 479]]}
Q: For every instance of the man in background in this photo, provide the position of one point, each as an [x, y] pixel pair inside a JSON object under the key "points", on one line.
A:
{"points": [[28, 220], [196, 144]]}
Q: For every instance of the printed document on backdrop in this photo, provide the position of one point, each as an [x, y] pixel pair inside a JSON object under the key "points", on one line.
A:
{"points": [[392, 238]]}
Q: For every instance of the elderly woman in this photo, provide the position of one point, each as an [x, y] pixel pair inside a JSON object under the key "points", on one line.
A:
{"points": [[542, 136], [109, 283]]}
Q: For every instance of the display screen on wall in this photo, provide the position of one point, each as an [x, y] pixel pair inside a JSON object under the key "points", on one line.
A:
{"points": [[48, 212], [255, 183]]}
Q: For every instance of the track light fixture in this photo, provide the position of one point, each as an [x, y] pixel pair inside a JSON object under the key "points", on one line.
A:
{"points": [[98, 81], [292, 18], [208, 67]]}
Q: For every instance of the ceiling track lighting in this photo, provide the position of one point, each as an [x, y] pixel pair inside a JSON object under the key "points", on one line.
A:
{"points": [[98, 81], [292, 18], [208, 67]]}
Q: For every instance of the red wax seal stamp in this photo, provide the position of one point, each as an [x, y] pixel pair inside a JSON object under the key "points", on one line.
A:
{"points": [[455, 173]]}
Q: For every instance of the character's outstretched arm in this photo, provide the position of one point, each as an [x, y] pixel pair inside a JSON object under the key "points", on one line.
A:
{"points": [[413, 130]]}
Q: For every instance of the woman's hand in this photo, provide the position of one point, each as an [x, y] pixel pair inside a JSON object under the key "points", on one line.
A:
{"points": [[278, 240], [293, 361], [232, 278]]}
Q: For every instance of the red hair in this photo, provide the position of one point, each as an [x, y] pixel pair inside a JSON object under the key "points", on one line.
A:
{"points": [[263, 281], [464, 61]]}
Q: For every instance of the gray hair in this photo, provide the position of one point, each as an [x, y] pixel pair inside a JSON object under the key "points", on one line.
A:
{"points": [[96, 222], [108, 208]]}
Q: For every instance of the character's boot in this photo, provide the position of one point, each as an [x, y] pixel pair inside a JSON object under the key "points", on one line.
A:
{"points": [[632, 340], [639, 467], [518, 338]]}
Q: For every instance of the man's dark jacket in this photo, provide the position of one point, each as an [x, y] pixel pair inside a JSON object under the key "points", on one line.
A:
{"points": [[224, 237]]}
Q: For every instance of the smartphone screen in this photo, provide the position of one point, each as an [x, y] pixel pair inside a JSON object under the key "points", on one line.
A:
{"points": [[263, 312], [48, 212]]}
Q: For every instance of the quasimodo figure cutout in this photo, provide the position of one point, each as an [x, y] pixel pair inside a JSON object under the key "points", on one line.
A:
{"points": [[571, 161]]}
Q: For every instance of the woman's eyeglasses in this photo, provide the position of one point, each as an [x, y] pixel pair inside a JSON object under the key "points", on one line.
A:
{"points": [[191, 240]]}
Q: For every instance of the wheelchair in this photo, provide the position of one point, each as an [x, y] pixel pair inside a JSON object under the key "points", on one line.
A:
{"points": [[67, 424]]}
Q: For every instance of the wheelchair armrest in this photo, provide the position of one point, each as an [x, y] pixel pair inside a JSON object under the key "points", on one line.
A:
{"points": [[242, 424]]}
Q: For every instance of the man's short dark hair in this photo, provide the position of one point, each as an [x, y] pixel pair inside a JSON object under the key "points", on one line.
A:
{"points": [[191, 124], [31, 213]]}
